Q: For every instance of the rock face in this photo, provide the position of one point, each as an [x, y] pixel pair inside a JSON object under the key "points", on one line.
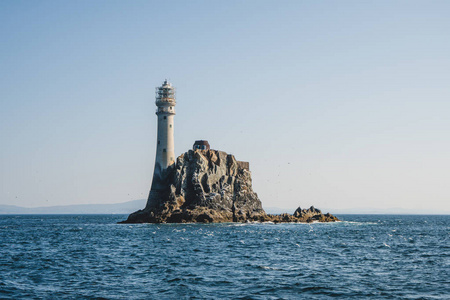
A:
{"points": [[211, 186]]}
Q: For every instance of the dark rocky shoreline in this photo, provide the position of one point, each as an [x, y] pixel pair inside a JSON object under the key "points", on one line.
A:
{"points": [[210, 186], [204, 215]]}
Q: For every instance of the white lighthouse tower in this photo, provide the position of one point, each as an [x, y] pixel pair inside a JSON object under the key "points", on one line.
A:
{"points": [[165, 152]]}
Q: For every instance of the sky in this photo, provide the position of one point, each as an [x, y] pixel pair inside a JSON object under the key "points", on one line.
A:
{"points": [[336, 104]]}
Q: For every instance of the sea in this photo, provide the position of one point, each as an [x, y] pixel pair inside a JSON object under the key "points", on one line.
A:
{"points": [[93, 257]]}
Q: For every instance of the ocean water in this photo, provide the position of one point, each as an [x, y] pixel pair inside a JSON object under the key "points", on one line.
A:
{"points": [[92, 257]]}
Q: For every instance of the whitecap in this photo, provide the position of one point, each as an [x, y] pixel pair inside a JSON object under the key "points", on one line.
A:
{"points": [[268, 268]]}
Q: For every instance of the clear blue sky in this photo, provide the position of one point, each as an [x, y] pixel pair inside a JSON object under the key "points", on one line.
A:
{"points": [[336, 104]]}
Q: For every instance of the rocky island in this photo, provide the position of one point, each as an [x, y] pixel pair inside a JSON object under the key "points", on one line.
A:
{"points": [[212, 186], [203, 185]]}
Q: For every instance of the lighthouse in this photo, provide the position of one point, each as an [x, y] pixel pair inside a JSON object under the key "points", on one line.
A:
{"points": [[165, 152]]}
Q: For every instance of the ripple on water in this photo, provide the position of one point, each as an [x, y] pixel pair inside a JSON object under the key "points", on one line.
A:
{"points": [[372, 257]]}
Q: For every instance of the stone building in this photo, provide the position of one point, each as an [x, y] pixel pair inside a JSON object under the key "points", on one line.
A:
{"points": [[201, 145]]}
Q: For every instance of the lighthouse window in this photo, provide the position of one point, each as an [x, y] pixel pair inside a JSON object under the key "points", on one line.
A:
{"points": [[165, 117], [171, 108], [170, 125]]}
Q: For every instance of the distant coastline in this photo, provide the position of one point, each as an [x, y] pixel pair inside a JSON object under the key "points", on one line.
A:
{"points": [[91, 209], [130, 206]]}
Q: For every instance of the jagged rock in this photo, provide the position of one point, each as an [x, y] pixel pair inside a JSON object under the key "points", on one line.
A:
{"points": [[305, 216], [301, 213], [212, 186]]}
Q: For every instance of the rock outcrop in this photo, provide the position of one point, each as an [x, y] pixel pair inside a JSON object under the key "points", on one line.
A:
{"points": [[304, 216], [212, 186]]}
